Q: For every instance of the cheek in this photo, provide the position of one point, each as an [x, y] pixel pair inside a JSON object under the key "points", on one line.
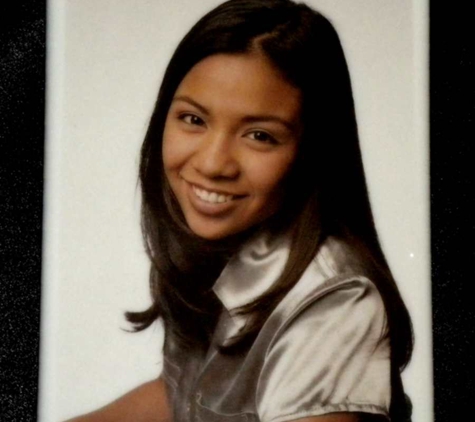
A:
{"points": [[173, 151], [167, 150], [268, 178]]}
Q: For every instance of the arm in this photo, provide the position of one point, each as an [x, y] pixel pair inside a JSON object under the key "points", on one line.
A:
{"points": [[344, 417], [147, 403], [340, 417]]}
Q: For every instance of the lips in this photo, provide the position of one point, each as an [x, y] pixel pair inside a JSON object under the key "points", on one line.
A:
{"points": [[211, 203], [211, 196]]}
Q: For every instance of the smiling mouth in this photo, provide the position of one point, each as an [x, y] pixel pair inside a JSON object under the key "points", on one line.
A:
{"points": [[212, 197]]}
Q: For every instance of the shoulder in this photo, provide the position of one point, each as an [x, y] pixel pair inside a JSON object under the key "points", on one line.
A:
{"points": [[349, 304], [328, 349], [336, 285]]}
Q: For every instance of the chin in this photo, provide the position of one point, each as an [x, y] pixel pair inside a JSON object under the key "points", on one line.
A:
{"points": [[220, 229], [208, 234], [213, 231]]}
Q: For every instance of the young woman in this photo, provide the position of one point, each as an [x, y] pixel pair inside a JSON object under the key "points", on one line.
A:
{"points": [[266, 269]]}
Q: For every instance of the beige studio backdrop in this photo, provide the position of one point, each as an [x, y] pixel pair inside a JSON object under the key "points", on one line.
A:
{"points": [[106, 59]]}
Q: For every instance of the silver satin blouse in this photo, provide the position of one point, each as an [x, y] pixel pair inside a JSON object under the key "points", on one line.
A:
{"points": [[324, 348]]}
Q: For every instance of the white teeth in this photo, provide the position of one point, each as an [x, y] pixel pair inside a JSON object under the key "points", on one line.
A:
{"points": [[211, 197]]}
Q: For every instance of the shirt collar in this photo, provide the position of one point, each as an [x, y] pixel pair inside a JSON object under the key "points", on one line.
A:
{"points": [[253, 270]]}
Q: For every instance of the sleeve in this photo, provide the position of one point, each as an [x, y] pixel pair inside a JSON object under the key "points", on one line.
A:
{"points": [[331, 356]]}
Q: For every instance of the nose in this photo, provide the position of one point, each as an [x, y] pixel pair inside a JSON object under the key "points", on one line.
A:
{"points": [[216, 156]]}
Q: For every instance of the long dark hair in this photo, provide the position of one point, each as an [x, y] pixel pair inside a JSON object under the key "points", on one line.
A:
{"points": [[331, 198]]}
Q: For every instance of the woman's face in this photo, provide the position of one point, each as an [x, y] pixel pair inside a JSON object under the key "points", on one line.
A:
{"points": [[231, 136]]}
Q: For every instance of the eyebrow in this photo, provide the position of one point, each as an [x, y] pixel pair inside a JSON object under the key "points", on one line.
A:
{"points": [[246, 119], [189, 100]]}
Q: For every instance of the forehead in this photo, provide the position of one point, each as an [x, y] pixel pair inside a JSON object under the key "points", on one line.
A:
{"points": [[247, 83]]}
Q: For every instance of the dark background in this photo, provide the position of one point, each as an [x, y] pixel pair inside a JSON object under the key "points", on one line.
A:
{"points": [[452, 165], [22, 88]]}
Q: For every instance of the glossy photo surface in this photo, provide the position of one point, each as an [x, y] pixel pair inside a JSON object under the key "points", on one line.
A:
{"points": [[105, 66]]}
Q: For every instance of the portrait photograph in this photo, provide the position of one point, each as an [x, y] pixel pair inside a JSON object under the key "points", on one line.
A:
{"points": [[236, 212]]}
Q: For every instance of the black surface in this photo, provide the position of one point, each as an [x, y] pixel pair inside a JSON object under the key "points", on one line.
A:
{"points": [[452, 192], [22, 50], [22, 53]]}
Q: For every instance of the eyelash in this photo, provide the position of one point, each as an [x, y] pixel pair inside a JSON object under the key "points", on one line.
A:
{"points": [[194, 120], [269, 139], [191, 119]]}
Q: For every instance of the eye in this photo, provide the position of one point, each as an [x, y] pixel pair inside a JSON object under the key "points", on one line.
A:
{"points": [[192, 119], [261, 136]]}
